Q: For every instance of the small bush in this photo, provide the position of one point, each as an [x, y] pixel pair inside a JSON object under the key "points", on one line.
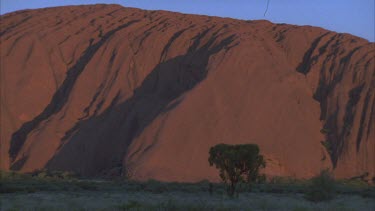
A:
{"points": [[328, 146], [155, 186], [48, 174], [130, 205], [368, 193], [12, 175], [86, 185], [282, 180], [324, 131], [237, 163], [322, 187]]}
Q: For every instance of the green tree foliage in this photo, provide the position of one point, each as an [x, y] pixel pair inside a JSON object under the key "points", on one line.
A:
{"points": [[237, 163]]}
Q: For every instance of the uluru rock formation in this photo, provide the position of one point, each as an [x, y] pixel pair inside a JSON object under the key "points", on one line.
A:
{"points": [[103, 89]]}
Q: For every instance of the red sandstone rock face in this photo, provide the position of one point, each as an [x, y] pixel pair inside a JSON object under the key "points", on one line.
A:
{"points": [[102, 88]]}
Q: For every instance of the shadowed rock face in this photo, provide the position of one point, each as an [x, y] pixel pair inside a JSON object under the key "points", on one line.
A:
{"points": [[108, 90]]}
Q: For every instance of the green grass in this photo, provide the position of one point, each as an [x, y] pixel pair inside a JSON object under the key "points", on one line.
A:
{"points": [[11, 182], [51, 192], [123, 200]]}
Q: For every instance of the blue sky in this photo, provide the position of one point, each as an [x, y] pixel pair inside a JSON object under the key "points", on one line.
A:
{"points": [[350, 16]]}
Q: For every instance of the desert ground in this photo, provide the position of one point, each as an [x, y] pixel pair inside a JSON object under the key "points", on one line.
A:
{"points": [[41, 192], [177, 200]]}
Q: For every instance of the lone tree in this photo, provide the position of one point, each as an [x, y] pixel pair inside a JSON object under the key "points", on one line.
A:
{"points": [[237, 163]]}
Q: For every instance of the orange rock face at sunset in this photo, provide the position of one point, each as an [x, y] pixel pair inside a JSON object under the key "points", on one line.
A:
{"points": [[106, 90]]}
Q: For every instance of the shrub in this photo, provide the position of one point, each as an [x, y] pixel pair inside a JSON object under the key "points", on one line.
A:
{"points": [[237, 163], [155, 186], [328, 146], [49, 174], [322, 187], [130, 205], [87, 185], [324, 131]]}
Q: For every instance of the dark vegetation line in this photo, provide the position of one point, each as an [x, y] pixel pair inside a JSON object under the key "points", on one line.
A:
{"points": [[322, 187]]}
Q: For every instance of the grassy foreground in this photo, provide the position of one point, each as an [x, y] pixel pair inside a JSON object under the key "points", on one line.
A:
{"points": [[60, 191]]}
